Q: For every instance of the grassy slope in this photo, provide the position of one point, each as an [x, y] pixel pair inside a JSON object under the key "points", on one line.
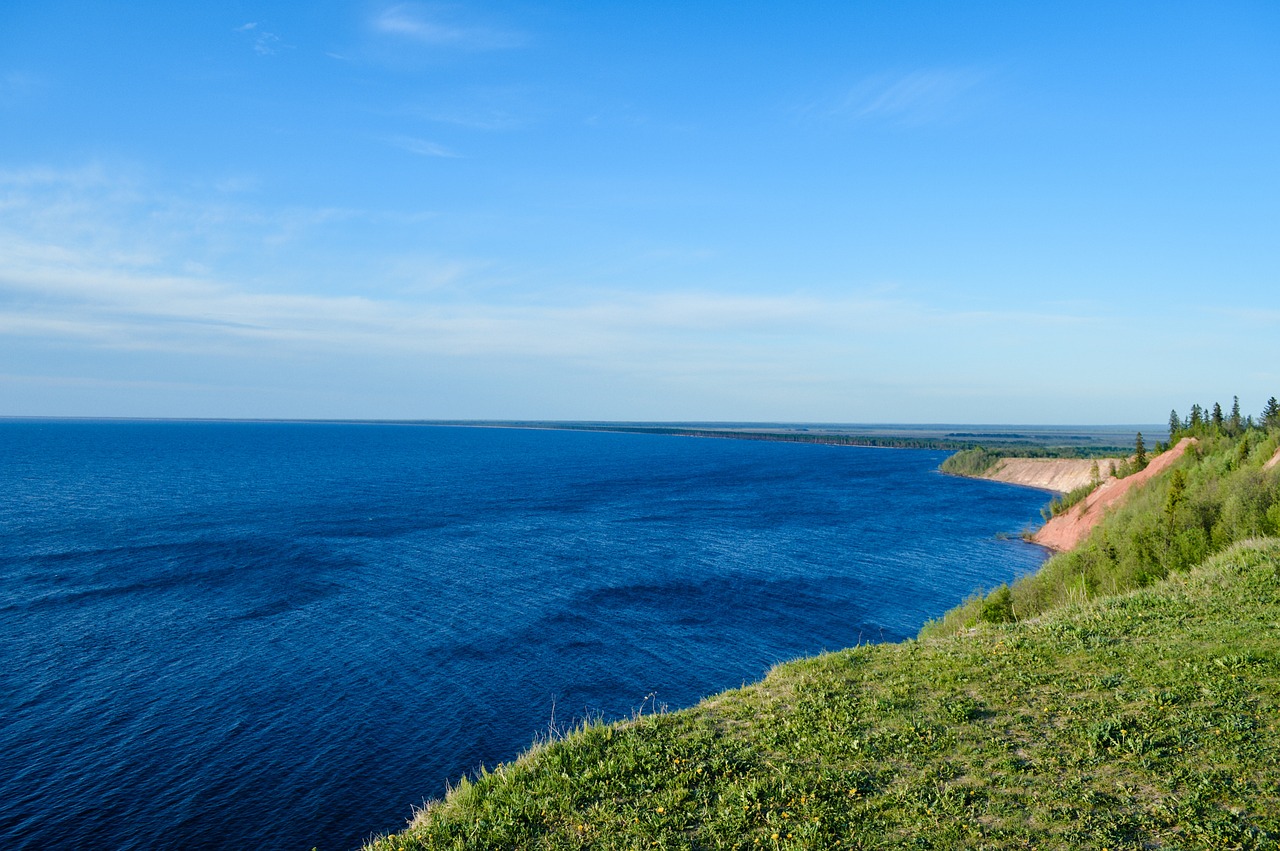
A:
{"points": [[1146, 719], [1227, 497]]}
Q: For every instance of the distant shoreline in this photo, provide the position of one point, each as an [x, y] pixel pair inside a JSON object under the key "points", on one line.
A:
{"points": [[1059, 441]]}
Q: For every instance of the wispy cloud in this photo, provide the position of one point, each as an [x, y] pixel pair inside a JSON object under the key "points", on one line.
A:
{"points": [[107, 272], [421, 147], [238, 183], [495, 108], [1254, 316], [133, 302], [18, 85], [441, 26], [94, 272], [264, 43], [915, 98]]}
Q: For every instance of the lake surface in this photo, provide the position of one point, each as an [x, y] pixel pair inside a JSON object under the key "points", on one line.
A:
{"points": [[284, 635]]}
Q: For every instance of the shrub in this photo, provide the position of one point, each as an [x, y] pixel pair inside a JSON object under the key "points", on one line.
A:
{"points": [[970, 462], [998, 606]]}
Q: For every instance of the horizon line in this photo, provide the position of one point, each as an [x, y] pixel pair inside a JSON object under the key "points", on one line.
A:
{"points": [[479, 421]]}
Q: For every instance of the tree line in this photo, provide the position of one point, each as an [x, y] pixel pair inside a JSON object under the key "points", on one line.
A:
{"points": [[1212, 422]]}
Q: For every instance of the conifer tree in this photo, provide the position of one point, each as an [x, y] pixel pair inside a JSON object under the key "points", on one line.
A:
{"points": [[1271, 414], [1237, 422], [1197, 418], [1139, 454], [1217, 416], [1175, 424], [1177, 493]]}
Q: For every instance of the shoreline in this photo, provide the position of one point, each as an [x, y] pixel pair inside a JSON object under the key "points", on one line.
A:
{"points": [[1056, 475]]}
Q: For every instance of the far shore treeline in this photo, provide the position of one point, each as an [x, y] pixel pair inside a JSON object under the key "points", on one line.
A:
{"points": [[1055, 443]]}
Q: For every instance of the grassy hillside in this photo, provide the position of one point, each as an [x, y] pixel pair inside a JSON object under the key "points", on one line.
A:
{"points": [[1139, 720], [1217, 494], [1128, 696]]}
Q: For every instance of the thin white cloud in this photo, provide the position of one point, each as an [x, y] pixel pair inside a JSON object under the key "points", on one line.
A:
{"points": [[60, 292], [18, 85], [238, 184], [1255, 316], [421, 147], [479, 119], [118, 268], [120, 272], [484, 109], [93, 175], [916, 98], [438, 26], [264, 43]]}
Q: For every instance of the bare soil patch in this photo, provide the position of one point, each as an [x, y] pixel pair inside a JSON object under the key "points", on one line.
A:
{"points": [[1055, 474]]}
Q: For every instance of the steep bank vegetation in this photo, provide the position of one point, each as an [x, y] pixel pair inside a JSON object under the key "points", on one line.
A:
{"points": [[1217, 494], [1067, 501], [1126, 696]]}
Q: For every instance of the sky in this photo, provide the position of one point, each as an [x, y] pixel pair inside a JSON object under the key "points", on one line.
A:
{"points": [[834, 212]]}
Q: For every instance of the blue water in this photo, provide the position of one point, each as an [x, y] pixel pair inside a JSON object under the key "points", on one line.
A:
{"points": [[227, 635]]}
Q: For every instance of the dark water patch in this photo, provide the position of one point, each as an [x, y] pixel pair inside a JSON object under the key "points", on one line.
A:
{"points": [[273, 635]]}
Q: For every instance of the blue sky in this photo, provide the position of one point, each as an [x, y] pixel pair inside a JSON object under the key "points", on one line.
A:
{"points": [[826, 212]]}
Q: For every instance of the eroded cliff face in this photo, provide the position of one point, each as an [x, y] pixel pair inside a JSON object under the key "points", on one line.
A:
{"points": [[1056, 474], [1071, 527]]}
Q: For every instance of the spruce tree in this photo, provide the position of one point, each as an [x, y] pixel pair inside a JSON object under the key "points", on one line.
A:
{"points": [[1175, 425], [1139, 454], [1197, 419], [1237, 422], [1271, 414], [1217, 415], [1176, 496]]}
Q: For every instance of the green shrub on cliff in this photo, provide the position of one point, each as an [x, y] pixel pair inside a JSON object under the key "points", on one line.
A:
{"points": [[1067, 501], [970, 462]]}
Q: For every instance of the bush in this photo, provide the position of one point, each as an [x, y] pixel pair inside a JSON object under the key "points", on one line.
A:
{"points": [[970, 462], [998, 606]]}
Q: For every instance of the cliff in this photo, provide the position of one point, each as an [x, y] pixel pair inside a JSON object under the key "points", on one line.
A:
{"points": [[1056, 474], [1074, 525]]}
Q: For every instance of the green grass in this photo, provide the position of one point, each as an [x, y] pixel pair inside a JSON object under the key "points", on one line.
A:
{"points": [[1145, 719]]}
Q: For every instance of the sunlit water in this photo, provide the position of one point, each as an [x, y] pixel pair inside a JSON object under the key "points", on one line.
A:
{"points": [[287, 635]]}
